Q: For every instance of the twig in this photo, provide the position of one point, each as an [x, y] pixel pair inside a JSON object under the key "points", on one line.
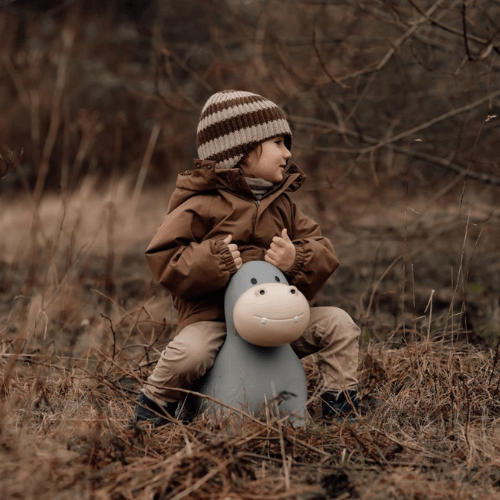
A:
{"points": [[479, 176], [62, 68], [203, 479], [322, 64], [144, 169], [467, 36], [10, 161], [495, 361], [433, 121], [114, 336], [464, 26], [396, 45]]}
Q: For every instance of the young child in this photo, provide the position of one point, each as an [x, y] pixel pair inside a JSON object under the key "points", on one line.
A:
{"points": [[230, 208]]}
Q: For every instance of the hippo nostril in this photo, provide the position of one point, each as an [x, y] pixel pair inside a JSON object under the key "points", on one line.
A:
{"points": [[293, 291], [262, 292]]}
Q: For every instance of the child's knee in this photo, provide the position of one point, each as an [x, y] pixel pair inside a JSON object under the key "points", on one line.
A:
{"points": [[197, 345], [199, 359], [335, 318], [345, 320]]}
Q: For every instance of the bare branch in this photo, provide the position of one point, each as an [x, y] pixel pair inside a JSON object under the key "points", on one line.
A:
{"points": [[442, 162], [8, 161], [434, 121], [398, 43], [464, 26], [467, 36], [323, 66]]}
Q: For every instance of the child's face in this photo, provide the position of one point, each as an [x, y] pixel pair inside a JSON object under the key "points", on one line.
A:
{"points": [[267, 162]]}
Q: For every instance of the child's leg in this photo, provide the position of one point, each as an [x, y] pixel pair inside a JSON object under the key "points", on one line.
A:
{"points": [[335, 337], [185, 359]]}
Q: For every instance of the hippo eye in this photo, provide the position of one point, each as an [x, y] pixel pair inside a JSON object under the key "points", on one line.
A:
{"points": [[253, 281], [262, 292], [277, 279]]}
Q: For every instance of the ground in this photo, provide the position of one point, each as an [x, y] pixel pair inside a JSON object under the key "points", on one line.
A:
{"points": [[83, 323]]}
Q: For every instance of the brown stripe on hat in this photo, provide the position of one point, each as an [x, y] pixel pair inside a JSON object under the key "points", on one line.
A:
{"points": [[233, 122]]}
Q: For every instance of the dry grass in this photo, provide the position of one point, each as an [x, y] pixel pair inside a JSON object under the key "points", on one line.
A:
{"points": [[81, 323], [82, 326], [433, 435]]}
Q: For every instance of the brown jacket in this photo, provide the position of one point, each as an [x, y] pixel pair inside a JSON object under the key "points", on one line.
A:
{"points": [[187, 254]]}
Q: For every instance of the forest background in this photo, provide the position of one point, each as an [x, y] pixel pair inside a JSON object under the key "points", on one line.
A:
{"points": [[393, 106]]}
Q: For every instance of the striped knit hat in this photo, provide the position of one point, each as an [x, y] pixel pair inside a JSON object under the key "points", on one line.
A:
{"points": [[233, 122]]}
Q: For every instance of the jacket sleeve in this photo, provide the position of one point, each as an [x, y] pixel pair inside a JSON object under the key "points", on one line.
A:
{"points": [[315, 258], [182, 261]]}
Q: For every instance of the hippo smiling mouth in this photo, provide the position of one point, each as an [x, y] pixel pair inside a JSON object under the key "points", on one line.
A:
{"points": [[264, 320]]}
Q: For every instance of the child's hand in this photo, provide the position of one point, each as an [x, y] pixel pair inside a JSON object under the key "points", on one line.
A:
{"points": [[282, 252], [233, 248]]}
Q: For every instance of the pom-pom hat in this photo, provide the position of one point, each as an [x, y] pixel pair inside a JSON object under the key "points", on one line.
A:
{"points": [[233, 122]]}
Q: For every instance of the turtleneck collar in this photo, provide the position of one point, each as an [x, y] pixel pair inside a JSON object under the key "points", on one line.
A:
{"points": [[259, 187]]}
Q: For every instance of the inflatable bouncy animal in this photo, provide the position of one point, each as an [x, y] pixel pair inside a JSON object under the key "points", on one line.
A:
{"points": [[256, 363]]}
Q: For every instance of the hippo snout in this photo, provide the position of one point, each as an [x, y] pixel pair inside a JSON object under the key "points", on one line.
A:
{"points": [[271, 314]]}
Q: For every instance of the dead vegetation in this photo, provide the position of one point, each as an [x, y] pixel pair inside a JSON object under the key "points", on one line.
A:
{"points": [[394, 108], [432, 434], [83, 325]]}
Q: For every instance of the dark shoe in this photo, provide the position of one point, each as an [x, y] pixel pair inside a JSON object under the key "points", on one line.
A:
{"points": [[340, 406], [143, 413]]}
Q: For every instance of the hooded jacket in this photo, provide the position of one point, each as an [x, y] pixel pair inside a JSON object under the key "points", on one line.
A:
{"points": [[189, 257]]}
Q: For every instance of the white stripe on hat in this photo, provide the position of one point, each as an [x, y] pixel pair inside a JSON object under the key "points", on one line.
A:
{"points": [[230, 162], [229, 95], [236, 110]]}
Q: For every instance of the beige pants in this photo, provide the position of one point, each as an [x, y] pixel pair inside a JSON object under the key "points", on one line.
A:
{"points": [[331, 334]]}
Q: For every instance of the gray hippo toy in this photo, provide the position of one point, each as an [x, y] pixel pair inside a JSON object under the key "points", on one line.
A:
{"points": [[256, 363]]}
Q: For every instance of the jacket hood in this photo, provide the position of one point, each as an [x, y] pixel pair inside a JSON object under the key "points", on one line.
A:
{"points": [[204, 177]]}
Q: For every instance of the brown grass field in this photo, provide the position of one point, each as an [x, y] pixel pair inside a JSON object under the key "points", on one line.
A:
{"points": [[394, 106], [83, 324]]}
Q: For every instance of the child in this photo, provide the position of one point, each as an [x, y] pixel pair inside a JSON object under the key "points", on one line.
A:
{"points": [[230, 208]]}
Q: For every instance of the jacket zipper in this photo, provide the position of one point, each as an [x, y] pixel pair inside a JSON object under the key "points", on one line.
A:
{"points": [[257, 205]]}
